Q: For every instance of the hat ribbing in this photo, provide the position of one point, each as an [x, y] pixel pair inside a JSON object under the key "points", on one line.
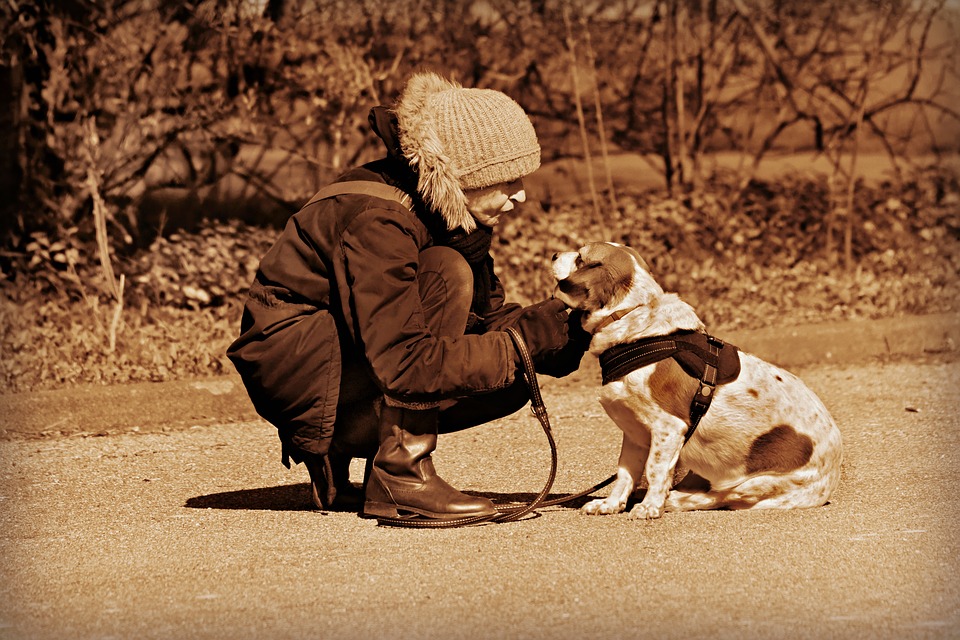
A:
{"points": [[486, 134], [458, 138]]}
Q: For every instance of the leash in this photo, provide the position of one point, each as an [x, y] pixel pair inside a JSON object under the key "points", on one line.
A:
{"points": [[539, 410], [511, 513]]}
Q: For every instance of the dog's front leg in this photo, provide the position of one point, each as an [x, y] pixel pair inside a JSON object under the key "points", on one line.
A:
{"points": [[629, 468], [665, 444]]}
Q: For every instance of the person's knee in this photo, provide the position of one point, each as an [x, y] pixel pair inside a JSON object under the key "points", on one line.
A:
{"points": [[450, 265], [446, 288]]}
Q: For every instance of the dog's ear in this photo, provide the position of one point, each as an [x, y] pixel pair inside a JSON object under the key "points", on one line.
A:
{"points": [[636, 255], [607, 274], [575, 290], [612, 284]]}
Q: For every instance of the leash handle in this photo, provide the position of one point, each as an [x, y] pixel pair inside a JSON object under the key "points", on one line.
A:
{"points": [[530, 376]]}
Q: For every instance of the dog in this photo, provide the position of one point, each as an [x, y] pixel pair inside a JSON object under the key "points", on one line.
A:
{"points": [[766, 440]]}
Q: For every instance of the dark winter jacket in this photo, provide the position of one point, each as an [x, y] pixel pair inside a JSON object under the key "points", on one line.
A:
{"points": [[341, 283]]}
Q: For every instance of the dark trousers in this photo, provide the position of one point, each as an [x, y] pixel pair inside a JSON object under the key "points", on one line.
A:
{"points": [[446, 290]]}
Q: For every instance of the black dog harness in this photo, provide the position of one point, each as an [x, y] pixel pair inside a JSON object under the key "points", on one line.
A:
{"points": [[710, 360]]}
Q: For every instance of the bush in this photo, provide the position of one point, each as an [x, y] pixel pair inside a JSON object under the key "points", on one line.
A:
{"points": [[778, 228], [739, 267]]}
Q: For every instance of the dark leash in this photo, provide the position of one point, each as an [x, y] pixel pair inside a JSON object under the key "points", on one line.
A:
{"points": [[510, 513]]}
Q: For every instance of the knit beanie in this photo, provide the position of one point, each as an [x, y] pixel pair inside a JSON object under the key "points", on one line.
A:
{"points": [[457, 138]]}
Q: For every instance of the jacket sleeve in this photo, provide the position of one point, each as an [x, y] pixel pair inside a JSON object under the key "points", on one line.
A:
{"points": [[413, 367]]}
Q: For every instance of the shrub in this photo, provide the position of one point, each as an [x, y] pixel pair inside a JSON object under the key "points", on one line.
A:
{"points": [[738, 266]]}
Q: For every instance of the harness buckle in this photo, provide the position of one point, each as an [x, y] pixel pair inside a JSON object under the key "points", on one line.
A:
{"points": [[702, 399]]}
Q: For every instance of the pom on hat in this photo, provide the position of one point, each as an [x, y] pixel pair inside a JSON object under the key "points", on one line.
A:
{"points": [[458, 138]]}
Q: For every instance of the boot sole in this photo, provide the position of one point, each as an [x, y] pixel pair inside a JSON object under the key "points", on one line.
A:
{"points": [[386, 510]]}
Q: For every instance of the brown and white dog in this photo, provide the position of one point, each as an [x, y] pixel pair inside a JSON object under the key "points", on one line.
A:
{"points": [[766, 442]]}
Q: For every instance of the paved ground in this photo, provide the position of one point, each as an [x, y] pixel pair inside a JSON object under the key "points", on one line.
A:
{"points": [[195, 530]]}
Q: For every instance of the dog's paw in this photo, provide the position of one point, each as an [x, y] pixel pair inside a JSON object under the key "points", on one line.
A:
{"points": [[602, 507], [645, 511]]}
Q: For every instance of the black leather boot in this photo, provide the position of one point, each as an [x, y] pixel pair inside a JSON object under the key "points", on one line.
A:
{"points": [[403, 481], [356, 436], [330, 484]]}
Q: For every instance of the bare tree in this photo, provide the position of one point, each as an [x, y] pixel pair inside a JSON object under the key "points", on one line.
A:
{"points": [[835, 73], [192, 96]]}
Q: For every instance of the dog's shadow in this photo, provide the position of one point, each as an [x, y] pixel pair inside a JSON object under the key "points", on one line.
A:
{"points": [[296, 497]]}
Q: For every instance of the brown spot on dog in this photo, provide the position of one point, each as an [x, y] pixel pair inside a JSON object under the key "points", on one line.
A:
{"points": [[672, 389], [779, 450], [779, 379], [754, 393]]}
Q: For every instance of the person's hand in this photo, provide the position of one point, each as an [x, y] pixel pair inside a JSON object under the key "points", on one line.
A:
{"points": [[566, 360], [544, 328]]}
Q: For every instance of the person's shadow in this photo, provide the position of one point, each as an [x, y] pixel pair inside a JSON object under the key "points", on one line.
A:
{"points": [[288, 497], [296, 497]]}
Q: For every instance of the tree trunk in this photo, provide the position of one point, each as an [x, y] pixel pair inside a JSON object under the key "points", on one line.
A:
{"points": [[11, 148]]}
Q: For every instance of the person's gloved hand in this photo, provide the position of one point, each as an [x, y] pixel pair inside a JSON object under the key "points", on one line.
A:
{"points": [[544, 328], [566, 360]]}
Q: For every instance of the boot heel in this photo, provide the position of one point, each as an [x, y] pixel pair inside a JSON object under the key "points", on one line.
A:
{"points": [[379, 502], [379, 510]]}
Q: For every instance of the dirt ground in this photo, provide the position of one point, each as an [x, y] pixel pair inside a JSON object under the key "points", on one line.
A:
{"points": [[200, 532]]}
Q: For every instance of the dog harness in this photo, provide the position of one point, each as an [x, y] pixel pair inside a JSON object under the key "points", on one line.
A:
{"points": [[710, 360]]}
